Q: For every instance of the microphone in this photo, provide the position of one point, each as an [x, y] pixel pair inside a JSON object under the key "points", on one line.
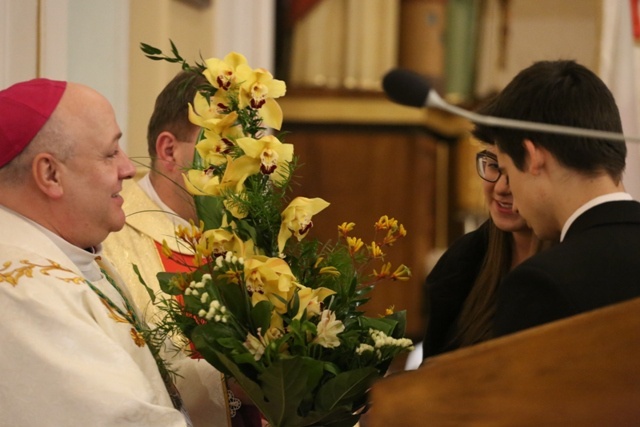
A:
{"points": [[412, 89]]}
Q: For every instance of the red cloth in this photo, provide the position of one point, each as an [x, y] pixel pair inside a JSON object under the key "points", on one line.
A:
{"points": [[182, 264], [24, 108], [247, 415], [299, 9]]}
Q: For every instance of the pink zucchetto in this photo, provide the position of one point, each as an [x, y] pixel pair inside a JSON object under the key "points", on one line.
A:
{"points": [[24, 108]]}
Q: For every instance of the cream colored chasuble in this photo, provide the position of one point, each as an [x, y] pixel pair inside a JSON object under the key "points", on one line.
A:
{"points": [[69, 359], [202, 387]]}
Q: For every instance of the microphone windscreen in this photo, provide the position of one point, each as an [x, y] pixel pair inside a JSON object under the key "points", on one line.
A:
{"points": [[406, 87]]}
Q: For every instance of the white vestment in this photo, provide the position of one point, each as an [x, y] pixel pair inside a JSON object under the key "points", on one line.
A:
{"points": [[67, 357], [201, 386]]}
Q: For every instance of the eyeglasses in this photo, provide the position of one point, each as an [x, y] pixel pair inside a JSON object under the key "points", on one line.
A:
{"points": [[487, 166]]}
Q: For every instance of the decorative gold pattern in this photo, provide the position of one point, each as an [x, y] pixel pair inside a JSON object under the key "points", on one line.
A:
{"points": [[137, 337], [13, 276], [26, 269]]}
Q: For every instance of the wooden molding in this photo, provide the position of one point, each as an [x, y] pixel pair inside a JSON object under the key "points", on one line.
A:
{"points": [[366, 108]]}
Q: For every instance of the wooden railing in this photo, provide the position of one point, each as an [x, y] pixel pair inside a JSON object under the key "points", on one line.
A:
{"points": [[580, 371]]}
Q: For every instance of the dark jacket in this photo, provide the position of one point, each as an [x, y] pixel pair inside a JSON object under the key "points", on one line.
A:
{"points": [[597, 264], [448, 285]]}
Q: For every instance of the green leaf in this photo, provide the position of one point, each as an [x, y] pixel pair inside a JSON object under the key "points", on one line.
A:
{"points": [[384, 324], [234, 298], [150, 50], [210, 210], [345, 387], [150, 291], [286, 382], [294, 305], [166, 285], [401, 318], [174, 49], [261, 315]]}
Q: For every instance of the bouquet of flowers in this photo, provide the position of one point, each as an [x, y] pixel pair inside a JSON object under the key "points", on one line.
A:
{"points": [[279, 313]]}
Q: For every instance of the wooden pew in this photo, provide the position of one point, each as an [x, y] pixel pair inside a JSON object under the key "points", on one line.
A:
{"points": [[580, 371]]}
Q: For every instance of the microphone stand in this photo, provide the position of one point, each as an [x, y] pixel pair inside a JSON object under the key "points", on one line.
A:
{"points": [[409, 88], [435, 101]]}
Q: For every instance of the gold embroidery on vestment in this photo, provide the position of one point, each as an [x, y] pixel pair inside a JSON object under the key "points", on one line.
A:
{"points": [[12, 277], [114, 315], [138, 339]]}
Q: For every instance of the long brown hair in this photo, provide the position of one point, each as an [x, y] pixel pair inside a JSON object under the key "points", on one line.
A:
{"points": [[474, 323]]}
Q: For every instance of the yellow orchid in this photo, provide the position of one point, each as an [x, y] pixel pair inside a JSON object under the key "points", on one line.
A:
{"points": [[202, 112], [258, 89], [221, 73], [205, 183], [237, 171], [310, 300], [266, 277], [269, 153], [296, 218], [213, 115], [201, 182], [214, 148], [216, 242]]}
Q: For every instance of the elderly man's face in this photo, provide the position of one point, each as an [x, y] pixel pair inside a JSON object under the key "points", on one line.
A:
{"points": [[92, 176]]}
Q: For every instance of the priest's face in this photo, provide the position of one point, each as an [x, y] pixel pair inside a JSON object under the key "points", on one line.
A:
{"points": [[91, 178]]}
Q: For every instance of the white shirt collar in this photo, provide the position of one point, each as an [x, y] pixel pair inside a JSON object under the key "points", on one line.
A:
{"points": [[84, 259], [612, 197]]}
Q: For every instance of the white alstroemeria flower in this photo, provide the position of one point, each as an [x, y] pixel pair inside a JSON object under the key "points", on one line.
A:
{"points": [[255, 346], [328, 330]]}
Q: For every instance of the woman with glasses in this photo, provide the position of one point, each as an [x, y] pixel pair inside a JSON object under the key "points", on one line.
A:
{"points": [[462, 286]]}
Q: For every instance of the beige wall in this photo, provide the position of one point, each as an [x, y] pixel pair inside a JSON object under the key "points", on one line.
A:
{"points": [[155, 22], [537, 30]]}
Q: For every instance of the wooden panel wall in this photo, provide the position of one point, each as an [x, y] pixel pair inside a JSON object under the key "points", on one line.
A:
{"points": [[366, 171]]}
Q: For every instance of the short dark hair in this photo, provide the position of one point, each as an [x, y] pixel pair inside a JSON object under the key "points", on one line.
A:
{"points": [[171, 111], [564, 93]]}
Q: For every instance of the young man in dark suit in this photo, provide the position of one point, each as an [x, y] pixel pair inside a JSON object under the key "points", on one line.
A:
{"points": [[568, 189]]}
